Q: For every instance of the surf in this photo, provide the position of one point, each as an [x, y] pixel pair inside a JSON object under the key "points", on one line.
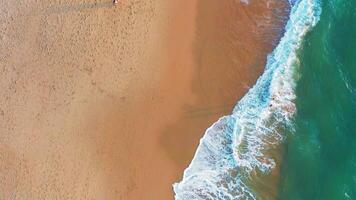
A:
{"points": [[238, 148]]}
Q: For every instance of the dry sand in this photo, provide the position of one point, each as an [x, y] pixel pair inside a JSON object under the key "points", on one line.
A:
{"points": [[103, 102]]}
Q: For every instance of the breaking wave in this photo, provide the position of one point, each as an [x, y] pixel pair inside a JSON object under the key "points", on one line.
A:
{"points": [[238, 144]]}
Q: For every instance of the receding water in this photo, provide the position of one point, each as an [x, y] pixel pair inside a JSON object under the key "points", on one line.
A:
{"points": [[293, 135]]}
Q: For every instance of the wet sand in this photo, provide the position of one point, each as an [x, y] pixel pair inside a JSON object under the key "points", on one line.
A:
{"points": [[103, 102]]}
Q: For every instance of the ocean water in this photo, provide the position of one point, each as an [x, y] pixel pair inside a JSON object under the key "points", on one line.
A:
{"points": [[319, 160], [291, 136]]}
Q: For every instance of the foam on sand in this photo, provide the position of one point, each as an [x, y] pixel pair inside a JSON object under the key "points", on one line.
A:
{"points": [[236, 145]]}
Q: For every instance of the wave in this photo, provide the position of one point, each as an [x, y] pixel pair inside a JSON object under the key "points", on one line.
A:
{"points": [[238, 144]]}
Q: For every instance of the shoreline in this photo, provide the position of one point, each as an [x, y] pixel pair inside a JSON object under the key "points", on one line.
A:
{"points": [[207, 158], [112, 101], [225, 66]]}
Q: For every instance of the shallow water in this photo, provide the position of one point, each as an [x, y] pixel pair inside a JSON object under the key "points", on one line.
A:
{"points": [[292, 135], [238, 156]]}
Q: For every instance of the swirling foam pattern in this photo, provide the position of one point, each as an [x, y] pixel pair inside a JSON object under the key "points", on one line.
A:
{"points": [[236, 145]]}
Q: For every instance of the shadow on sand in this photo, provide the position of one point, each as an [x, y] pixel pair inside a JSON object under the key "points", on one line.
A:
{"points": [[226, 65]]}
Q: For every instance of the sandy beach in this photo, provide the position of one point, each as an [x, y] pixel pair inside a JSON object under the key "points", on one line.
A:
{"points": [[109, 102]]}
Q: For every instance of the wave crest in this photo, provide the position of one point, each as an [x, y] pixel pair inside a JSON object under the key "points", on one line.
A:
{"points": [[238, 144]]}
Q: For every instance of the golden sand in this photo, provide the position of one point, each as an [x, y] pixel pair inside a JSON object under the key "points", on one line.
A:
{"points": [[109, 102]]}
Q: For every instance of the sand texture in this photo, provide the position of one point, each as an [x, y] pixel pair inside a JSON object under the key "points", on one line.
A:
{"points": [[109, 102]]}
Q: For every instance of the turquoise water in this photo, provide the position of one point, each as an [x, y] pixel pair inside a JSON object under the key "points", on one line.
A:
{"points": [[291, 136], [320, 157]]}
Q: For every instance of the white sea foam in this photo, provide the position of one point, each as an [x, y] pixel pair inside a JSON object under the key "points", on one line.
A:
{"points": [[235, 145]]}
